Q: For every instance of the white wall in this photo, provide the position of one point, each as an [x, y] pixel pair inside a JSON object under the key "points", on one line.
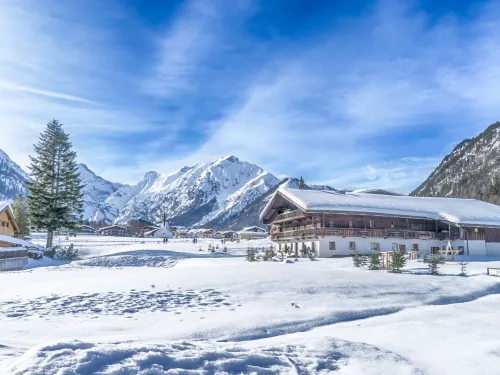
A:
{"points": [[492, 248], [322, 246]]}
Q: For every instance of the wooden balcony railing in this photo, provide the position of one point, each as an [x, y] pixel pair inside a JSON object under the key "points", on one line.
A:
{"points": [[289, 216], [318, 232]]}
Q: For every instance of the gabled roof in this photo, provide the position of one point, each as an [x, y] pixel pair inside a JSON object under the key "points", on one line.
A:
{"points": [[5, 205], [453, 210]]}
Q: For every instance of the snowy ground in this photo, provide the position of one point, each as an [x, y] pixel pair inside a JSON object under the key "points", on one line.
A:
{"points": [[135, 306]]}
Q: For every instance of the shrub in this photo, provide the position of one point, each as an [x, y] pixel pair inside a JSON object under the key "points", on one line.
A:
{"points": [[69, 254], [356, 259], [398, 261], [433, 262], [463, 268], [374, 261]]}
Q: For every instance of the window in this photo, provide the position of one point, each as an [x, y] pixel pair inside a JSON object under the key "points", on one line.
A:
{"points": [[375, 246], [331, 245], [350, 224], [392, 223], [331, 223], [352, 246], [402, 249], [3, 223], [372, 223], [7, 224], [414, 247], [394, 247]]}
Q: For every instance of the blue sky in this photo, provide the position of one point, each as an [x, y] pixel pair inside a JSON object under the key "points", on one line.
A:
{"points": [[349, 93]]}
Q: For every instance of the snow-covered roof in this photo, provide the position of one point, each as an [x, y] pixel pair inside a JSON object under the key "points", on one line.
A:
{"points": [[16, 241], [254, 229], [454, 210], [256, 234], [112, 227], [377, 191], [3, 205]]}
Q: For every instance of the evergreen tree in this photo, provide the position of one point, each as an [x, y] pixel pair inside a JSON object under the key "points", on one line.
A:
{"points": [[433, 262], [56, 198], [364, 260], [356, 259], [398, 261], [374, 261], [21, 212]]}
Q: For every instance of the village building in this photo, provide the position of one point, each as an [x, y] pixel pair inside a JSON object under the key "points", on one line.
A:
{"points": [[254, 229], [251, 235], [86, 230], [330, 223], [113, 230], [13, 256]]}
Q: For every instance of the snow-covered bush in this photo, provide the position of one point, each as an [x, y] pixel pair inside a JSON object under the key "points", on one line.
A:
{"points": [[251, 254], [69, 253]]}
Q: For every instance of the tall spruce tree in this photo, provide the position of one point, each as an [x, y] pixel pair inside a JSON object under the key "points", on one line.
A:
{"points": [[56, 198], [21, 212]]}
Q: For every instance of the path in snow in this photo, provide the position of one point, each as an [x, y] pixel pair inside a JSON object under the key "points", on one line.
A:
{"points": [[112, 303], [326, 357]]}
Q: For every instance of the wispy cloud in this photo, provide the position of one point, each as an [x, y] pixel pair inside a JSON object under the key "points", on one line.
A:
{"points": [[49, 94]]}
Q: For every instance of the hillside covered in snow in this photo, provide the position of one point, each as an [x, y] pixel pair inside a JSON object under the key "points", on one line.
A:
{"points": [[471, 170], [12, 178], [96, 189]]}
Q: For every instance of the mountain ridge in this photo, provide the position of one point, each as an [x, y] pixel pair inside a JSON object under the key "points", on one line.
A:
{"points": [[470, 170]]}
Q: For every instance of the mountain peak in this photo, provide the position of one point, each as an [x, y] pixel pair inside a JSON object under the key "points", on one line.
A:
{"points": [[229, 158]]}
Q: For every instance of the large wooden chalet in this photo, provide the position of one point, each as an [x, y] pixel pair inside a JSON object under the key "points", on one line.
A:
{"points": [[334, 224]]}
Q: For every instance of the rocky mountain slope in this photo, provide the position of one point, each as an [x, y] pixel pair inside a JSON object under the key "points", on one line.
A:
{"points": [[192, 196], [471, 170], [12, 178], [96, 189]]}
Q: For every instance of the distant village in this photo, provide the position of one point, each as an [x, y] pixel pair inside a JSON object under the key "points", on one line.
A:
{"points": [[142, 228]]}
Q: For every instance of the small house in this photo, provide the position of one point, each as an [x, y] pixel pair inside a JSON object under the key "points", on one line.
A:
{"points": [[87, 230], [113, 230], [13, 256], [246, 235]]}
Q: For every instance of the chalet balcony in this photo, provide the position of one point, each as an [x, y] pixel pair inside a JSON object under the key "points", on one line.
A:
{"points": [[287, 216], [313, 233]]}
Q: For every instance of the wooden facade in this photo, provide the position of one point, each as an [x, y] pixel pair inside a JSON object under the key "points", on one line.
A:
{"points": [[8, 226], [298, 224]]}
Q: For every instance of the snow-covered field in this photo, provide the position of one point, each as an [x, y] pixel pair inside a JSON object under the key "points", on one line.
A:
{"points": [[136, 306]]}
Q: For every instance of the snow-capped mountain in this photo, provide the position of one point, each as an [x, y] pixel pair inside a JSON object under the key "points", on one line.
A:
{"points": [[12, 178], [191, 196], [471, 170], [96, 189]]}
